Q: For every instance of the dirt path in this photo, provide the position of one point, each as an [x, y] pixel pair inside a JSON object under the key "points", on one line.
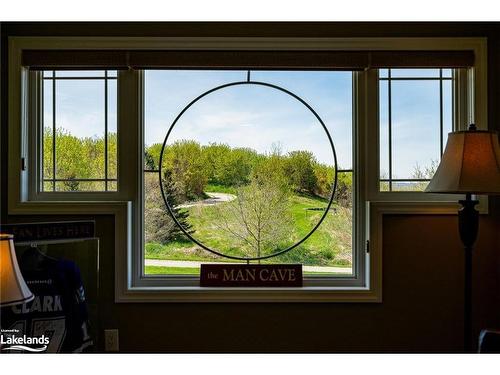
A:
{"points": [[215, 198], [196, 264]]}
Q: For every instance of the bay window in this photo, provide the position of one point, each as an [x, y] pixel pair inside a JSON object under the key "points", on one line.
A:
{"points": [[91, 126]]}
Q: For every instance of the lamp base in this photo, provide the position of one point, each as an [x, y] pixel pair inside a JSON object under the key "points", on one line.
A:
{"points": [[468, 226], [468, 221]]}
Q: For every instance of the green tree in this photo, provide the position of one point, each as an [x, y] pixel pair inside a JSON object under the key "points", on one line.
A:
{"points": [[159, 225], [238, 167], [182, 215], [271, 167], [152, 156], [78, 158], [215, 158], [184, 160], [228, 166], [149, 162], [343, 194], [258, 219], [325, 175], [299, 169]]}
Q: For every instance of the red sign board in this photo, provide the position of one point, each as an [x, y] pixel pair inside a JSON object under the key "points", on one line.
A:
{"points": [[251, 275]]}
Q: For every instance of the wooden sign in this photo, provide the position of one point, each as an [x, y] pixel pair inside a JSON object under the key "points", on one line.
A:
{"points": [[251, 275], [28, 232]]}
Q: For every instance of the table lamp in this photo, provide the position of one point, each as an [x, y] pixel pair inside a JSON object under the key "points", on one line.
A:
{"points": [[470, 165], [13, 288]]}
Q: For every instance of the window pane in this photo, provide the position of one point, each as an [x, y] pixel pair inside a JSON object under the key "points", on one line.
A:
{"points": [[48, 186], [448, 73], [384, 186], [48, 73], [447, 110], [80, 129], [415, 73], [79, 73], [82, 123], [415, 118], [409, 185], [384, 130], [112, 186], [415, 127], [76, 185], [47, 140], [112, 129], [222, 144]]}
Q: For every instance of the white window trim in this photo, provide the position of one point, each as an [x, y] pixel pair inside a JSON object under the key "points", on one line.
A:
{"points": [[357, 280], [124, 208]]}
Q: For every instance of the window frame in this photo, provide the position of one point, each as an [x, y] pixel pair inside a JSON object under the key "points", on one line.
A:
{"points": [[30, 146], [35, 135], [358, 277], [467, 86], [392, 81], [123, 203]]}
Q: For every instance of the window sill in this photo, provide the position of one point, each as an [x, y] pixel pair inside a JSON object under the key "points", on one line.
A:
{"points": [[267, 295], [448, 205]]}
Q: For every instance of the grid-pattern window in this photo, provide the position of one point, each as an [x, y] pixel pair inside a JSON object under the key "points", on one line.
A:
{"points": [[415, 117], [79, 137]]}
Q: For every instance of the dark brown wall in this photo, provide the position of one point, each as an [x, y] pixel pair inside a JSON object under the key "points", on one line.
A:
{"points": [[422, 257]]}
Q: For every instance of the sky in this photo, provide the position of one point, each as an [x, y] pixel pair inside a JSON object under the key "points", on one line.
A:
{"points": [[251, 115], [258, 117]]}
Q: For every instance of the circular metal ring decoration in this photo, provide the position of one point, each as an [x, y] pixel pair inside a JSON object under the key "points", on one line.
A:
{"points": [[261, 84]]}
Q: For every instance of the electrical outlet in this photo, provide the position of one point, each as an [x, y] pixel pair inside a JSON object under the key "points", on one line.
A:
{"points": [[111, 340]]}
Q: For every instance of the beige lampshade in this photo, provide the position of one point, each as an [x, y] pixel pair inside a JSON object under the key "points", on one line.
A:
{"points": [[13, 288], [470, 164]]}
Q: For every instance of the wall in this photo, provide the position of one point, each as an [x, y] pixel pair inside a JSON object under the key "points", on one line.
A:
{"points": [[422, 257]]}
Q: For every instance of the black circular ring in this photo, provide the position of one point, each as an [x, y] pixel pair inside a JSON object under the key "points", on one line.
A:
{"points": [[237, 84]]}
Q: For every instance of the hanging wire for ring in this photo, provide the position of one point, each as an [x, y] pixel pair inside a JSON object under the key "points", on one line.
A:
{"points": [[241, 83]]}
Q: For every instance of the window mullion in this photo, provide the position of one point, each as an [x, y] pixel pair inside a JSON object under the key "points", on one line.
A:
{"points": [[389, 125], [461, 99], [54, 131], [106, 130], [441, 130], [361, 181], [41, 128], [130, 98], [368, 111]]}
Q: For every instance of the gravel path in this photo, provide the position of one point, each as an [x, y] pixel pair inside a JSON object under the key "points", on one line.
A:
{"points": [[196, 264], [215, 198]]}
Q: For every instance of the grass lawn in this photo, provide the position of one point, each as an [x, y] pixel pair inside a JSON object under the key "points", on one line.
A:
{"points": [[158, 270], [330, 245]]}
